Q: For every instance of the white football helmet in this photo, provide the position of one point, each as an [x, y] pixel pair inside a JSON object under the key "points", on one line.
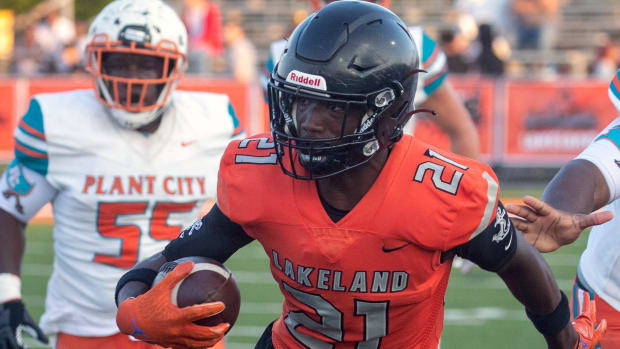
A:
{"points": [[146, 27]]}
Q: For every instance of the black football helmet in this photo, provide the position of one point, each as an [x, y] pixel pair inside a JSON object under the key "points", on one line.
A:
{"points": [[358, 55]]}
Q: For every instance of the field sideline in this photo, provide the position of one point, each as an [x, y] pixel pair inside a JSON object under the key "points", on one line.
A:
{"points": [[480, 313]]}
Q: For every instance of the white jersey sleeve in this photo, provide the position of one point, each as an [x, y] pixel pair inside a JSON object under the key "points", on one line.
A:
{"points": [[432, 60], [23, 185], [604, 153], [24, 191]]}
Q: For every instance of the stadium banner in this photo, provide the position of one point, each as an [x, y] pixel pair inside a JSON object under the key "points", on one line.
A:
{"points": [[548, 123], [478, 95], [538, 123], [7, 117]]}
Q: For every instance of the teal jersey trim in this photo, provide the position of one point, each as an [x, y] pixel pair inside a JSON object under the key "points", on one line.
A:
{"points": [[25, 157], [270, 64], [34, 117], [428, 47], [433, 86], [613, 88], [613, 135], [236, 124], [26, 154]]}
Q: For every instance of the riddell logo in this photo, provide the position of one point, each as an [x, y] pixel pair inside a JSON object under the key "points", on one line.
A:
{"points": [[309, 80]]}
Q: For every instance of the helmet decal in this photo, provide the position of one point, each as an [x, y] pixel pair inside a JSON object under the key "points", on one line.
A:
{"points": [[308, 80]]}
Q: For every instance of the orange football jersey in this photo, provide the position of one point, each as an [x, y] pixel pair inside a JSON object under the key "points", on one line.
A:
{"points": [[373, 279]]}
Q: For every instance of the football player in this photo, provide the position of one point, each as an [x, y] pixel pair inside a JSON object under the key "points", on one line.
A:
{"points": [[360, 223], [584, 185], [434, 90], [126, 166]]}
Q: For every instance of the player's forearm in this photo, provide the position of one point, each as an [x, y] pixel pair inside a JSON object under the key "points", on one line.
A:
{"points": [[578, 187], [136, 288], [13, 243], [566, 339], [531, 281]]}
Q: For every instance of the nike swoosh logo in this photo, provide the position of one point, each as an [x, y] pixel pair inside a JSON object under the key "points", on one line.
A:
{"points": [[509, 242], [185, 144], [388, 250]]}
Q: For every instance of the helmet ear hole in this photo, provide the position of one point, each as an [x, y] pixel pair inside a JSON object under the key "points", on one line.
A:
{"points": [[398, 88]]}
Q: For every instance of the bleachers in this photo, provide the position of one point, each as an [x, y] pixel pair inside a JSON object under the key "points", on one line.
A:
{"points": [[584, 20], [582, 26]]}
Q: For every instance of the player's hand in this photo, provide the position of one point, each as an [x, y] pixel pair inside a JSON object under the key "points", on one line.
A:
{"points": [[14, 320], [585, 326], [548, 229], [153, 318]]}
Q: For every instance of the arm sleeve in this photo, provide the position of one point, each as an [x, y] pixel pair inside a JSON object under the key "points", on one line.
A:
{"points": [[604, 153], [31, 148], [213, 236], [475, 204], [434, 62], [24, 191], [493, 248], [23, 186]]}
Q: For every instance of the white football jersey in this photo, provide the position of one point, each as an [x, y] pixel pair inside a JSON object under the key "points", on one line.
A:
{"points": [[432, 60], [118, 195], [599, 266]]}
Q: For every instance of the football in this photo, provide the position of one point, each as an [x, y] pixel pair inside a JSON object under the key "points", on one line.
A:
{"points": [[209, 281]]}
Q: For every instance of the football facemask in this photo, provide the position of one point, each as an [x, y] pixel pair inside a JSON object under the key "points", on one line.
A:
{"points": [[134, 94], [150, 33], [354, 121]]}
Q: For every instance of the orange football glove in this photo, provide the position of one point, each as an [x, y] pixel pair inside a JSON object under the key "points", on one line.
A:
{"points": [[584, 324], [153, 318]]}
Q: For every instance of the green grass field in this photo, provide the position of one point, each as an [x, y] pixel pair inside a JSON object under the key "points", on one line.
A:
{"points": [[481, 313]]}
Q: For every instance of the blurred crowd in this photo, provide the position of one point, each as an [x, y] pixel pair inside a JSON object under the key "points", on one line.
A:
{"points": [[515, 38], [55, 44]]}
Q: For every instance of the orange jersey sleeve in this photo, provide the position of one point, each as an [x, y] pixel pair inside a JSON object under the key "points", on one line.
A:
{"points": [[476, 201], [437, 199], [244, 187]]}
